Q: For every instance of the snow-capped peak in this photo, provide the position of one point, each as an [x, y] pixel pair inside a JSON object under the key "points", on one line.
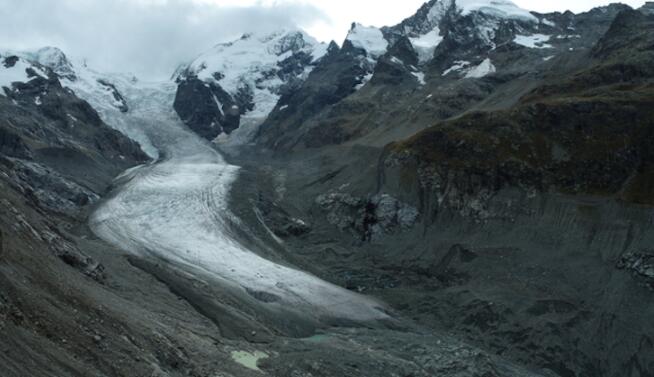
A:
{"points": [[495, 8], [52, 58], [14, 69], [258, 64], [369, 39], [251, 53]]}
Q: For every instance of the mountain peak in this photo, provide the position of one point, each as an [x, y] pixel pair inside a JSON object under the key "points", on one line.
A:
{"points": [[368, 38], [495, 8], [53, 58], [243, 80]]}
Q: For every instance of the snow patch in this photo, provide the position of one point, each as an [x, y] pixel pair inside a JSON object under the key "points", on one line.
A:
{"points": [[570, 36], [458, 66], [396, 60], [420, 76], [217, 102], [547, 22], [485, 68], [364, 81], [533, 41], [426, 44], [369, 39]]}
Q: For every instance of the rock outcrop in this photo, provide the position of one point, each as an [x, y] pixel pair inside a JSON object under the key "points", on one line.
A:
{"points": [[369, 218]]}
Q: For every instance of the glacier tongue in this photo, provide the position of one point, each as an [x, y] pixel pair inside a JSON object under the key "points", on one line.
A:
{"points": [[176, 209]]}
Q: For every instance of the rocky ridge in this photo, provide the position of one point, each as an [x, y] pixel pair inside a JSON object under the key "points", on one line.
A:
{"points": [[440, 62]]}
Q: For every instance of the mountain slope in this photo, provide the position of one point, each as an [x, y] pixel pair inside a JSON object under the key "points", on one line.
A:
{"points": [[511, 209], [235, 85], [440, 62]]}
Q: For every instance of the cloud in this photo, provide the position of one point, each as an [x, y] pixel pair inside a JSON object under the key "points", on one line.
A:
{"points": [[151, 37], [146, 37]]}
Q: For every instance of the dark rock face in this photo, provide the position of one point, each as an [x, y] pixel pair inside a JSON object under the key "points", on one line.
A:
{"points": [[648, 7], [640, 265], [10, 61], [122, 104], [332, 108], [59, 155], [369, 219], [11, 145], [335, 78], [206, 108]]}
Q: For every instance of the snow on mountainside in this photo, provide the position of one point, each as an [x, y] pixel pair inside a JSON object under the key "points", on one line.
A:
{"points": [[370, 39], [14, 69], [495, 8], [245, 79], [256, 63], [105, 93], [427, 28], [100, 90]]}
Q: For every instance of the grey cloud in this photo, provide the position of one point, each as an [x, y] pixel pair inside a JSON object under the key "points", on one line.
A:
{"points": [[147, 38]]}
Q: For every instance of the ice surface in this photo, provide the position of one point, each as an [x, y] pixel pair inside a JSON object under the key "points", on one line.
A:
{"points": [[369, 39], [177, 209], [533, 41]]}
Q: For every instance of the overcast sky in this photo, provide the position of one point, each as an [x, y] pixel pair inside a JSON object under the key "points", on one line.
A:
{"points": [[151, 37]]}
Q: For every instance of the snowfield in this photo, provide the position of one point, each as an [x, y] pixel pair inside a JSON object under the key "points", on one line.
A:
{"points": [[533, 41], [496, 8], [250, 64], [16, 73], [176, 209]]}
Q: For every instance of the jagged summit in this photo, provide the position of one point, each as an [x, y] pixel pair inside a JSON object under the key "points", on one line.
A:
{"points": [[53, 58]]}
